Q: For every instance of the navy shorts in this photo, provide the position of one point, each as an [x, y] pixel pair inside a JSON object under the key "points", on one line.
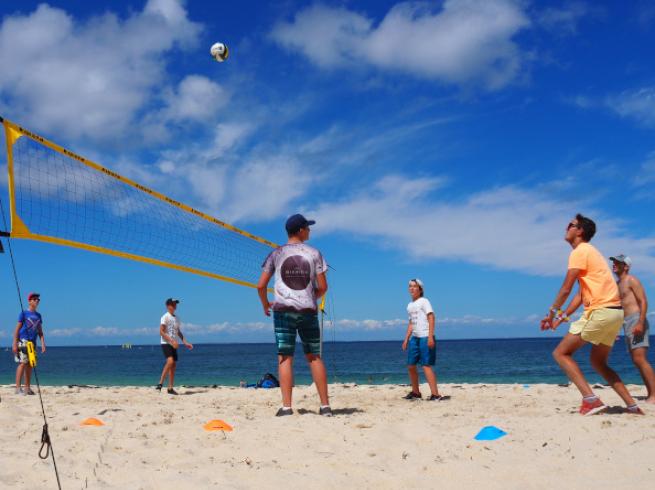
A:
{"points": [[288, 324], [169, 351], [418, 352]]}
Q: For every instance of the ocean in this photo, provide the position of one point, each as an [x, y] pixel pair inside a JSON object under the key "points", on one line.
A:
{"points": [[458, 361]]}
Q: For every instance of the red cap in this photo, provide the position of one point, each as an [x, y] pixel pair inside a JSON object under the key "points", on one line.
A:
{"points": [[33, 295]]}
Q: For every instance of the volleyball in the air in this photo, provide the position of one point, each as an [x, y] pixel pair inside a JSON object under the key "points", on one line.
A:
{"points": [[219, 52]]}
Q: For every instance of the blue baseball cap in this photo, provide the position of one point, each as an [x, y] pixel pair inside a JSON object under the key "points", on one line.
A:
{"points": [[296, 222]]}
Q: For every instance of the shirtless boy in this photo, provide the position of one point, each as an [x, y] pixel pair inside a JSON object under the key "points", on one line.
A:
{"points": [[635, 323]]}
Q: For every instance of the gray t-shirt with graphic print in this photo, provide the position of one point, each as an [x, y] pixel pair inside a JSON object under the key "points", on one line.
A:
{"points": [[296, 267]]}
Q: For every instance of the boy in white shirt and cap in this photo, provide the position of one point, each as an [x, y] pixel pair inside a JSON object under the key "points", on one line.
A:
{"points": [[420, 343], [169, 331]]}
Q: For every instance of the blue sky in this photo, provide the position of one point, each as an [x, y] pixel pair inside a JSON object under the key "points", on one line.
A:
{"points": [[448, 140]]}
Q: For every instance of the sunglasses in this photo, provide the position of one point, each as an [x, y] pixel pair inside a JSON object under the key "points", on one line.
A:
{"points": [[571, 225]]}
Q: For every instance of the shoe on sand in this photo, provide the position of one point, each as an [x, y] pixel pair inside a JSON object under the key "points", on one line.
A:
{"points": [[19, 391], [171, 391], [325, 411], [438, 398], [634, 410], [412, 396], [592, 408], [29, 392], [159, 387], [283, 412]]}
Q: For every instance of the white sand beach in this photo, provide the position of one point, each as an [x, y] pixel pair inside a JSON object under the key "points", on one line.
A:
{"points": [[375, 439]]}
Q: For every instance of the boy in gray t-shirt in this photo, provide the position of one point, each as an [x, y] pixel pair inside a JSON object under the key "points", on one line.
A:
{"points": [[300, 282]]}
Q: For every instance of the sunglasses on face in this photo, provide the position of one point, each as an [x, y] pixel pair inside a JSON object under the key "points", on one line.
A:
{"points": [[571, 225]]}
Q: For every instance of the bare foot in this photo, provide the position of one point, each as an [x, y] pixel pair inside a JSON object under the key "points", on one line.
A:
{"points": [[650, 400]]}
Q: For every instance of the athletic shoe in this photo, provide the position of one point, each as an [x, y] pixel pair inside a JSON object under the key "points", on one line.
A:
{"points": [[171, 391], [325, 411], [283, 412], [159, 387], [634, 410], [437, 398], [19, 391], [412, 396], [30, 392], [592, 408]]}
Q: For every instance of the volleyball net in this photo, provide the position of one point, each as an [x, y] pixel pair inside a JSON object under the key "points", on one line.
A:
{"points": [[59, 197]]}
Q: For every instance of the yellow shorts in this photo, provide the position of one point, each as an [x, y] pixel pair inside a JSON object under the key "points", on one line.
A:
{"points": [[600, 326]]}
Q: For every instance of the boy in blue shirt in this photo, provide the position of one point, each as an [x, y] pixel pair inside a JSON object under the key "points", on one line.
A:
{"points": [[28, 328]]}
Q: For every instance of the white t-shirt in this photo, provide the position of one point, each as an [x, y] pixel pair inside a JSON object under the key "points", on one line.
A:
{"points": [[418, 312], [172, 323]]}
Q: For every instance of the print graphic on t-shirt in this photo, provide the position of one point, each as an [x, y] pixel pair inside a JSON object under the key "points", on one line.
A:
{"points": [[295, 272], [296, 267], [31, 325]]}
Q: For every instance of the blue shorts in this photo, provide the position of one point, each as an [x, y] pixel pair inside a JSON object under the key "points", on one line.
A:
{"points": [[289, 324], [418, 352]]}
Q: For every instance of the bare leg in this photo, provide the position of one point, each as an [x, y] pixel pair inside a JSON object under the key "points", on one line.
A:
{"points": [[431, 378], [599, 355], [171, 373], [19, 374], [319, 375], [413, 378], [563, 355], [646, 370], [164, 372], [28, 376], [285, 373]]}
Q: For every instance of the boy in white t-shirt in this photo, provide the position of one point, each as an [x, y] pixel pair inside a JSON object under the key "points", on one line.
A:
{"points": [[420, 343], [169, 330]]}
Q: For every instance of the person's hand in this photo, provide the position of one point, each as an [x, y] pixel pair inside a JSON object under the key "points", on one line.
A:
{"points": [[546, 323], [267, 309], [556, 323], [188, 345], [174, 345], [14, 347], [638, 330], [42, 348], [431, 342], [405, 345]]}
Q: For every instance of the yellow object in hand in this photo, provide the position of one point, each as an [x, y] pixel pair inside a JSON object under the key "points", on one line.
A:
{"points": [[31, 354]]}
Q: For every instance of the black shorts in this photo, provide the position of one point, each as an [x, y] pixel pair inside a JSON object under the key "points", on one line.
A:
{"points": [[169, 351]]}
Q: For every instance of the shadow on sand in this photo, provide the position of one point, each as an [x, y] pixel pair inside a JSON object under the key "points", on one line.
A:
{"points": [[335, 411]]}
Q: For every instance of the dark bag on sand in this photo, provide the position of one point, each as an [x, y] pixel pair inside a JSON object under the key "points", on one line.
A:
{"points": [[268, 381]]}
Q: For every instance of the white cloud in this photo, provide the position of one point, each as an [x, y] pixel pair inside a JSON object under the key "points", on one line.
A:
{"points": [[239, 185], [637, 104], [63, 332], [509, 228], [104, 331], [370, 324], [189, 328], [465, 41], [646, 174], [197, 98], [85, 332], [460, 321], [92, 78], [564, 20]]}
